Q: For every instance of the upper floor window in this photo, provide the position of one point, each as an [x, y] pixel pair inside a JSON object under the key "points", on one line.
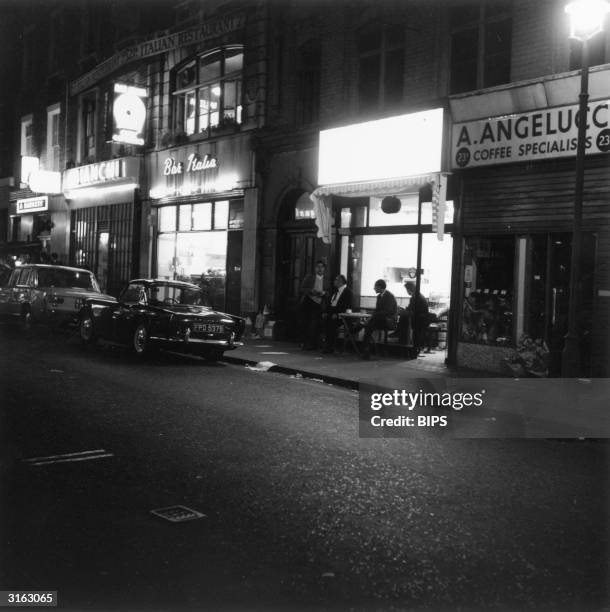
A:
{"points": [[208, 92], [381, 53], [480, 44], [27, 147], [87, 128], [53, 137], [308, 83]]}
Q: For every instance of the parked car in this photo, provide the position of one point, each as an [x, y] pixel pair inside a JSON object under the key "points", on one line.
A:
{"points": [[48, 293], [161, 314]]}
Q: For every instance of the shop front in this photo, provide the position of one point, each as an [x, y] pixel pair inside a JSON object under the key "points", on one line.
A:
{"points": [[384, 209], [105, 219], [204, 219], [517, 175], [38, 226]]}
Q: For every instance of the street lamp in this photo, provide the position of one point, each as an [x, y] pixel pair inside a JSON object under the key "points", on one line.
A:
{"points": [[586, 20]]}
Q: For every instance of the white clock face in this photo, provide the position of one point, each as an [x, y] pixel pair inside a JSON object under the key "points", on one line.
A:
{"points": [[129, 112]]}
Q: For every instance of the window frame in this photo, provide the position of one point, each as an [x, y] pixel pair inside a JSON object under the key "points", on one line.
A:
{"points": [[193, 91], [53, 149], [27, 142], [487, 17], [381, 52]]}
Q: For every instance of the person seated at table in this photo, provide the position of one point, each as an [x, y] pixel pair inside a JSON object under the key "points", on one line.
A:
{"points": [[416, 316], [383, 317], [340, 301]]}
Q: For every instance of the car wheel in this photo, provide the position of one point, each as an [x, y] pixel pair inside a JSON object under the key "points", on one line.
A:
{"points": [[140, 340], [87, 328]]}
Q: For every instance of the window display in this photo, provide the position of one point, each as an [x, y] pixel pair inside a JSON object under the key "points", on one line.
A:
{"points": [[487, 314]]}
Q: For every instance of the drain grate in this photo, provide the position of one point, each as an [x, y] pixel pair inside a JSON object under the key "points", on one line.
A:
{"points": [[177, 514]]}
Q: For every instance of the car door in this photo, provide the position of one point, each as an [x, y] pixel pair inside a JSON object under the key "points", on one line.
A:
{"points": [[20, 292], [124, 313]]}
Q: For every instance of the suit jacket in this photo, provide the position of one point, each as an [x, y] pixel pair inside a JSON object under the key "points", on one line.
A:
{"points": [[345, 301], [386, 305]]}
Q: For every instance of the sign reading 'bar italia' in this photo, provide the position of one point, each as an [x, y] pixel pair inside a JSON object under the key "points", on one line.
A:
{"points": [[543, 134]]}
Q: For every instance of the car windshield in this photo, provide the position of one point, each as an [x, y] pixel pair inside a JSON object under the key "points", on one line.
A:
{"points": [[176, 294], [61, 277]]}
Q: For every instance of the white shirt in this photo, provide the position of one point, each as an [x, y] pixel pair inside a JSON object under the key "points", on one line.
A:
{"points": [[319, 287]]}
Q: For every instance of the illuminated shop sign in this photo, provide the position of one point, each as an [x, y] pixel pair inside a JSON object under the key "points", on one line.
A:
{"points": [[193, 163], [94, 174], [529, 136], [31, 205], [403, 146], [129, 114]]}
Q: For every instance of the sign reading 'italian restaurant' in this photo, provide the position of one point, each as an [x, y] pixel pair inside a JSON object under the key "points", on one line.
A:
{"points": [[529, 136]]}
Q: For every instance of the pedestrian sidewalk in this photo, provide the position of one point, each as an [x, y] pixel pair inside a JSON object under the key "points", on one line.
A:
{"points": [[345, 369]]}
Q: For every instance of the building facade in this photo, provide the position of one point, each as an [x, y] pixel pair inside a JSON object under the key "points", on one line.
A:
{"points": [[233, 144]]}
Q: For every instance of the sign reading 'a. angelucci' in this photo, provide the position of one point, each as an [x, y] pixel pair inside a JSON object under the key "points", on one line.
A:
{"points": [[149, 48], [530, 136]]}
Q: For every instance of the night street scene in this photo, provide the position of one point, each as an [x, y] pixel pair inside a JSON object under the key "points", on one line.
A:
{"points": [[305, 305]]}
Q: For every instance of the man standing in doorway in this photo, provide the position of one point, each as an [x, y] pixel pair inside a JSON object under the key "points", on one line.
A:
{"points": [[415, 316], [313, 295]]}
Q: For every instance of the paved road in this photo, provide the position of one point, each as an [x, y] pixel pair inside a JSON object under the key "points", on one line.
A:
{"points": [[300, 512]]}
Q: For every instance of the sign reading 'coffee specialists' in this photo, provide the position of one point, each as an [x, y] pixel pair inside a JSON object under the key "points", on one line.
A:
{"points": [[530, 136]]}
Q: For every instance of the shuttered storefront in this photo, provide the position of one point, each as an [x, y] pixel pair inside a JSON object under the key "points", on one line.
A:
{"points": [[517, 223]]}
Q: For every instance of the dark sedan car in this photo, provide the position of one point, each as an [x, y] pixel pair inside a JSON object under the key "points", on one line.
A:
{"points": [[161, 314]]}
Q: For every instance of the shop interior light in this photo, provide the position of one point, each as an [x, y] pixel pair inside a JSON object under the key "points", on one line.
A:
{"points": [[586, 18]]}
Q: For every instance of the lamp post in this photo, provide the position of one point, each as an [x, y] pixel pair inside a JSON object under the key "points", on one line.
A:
{"points": [[586, 20]]}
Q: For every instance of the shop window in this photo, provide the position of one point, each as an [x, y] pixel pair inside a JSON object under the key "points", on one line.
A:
{"points": [[208, 92], [487, 313], [380, 68], [192, 245], [308, 83], [393, 257], [202, 216], [236, 214], [481, 39], [167, 219]]}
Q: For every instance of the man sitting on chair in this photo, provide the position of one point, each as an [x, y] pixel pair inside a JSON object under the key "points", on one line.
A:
{"points": [[340, 301], [383, 317]]}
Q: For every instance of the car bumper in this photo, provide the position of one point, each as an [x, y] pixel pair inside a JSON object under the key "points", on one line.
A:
{"points": [[198, 342]]}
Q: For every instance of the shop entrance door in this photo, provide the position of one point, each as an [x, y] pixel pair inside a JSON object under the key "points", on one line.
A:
{"points": [[549, 292], [298, 255]]}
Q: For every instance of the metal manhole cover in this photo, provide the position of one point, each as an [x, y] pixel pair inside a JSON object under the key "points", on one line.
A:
{"points": [[177, 514]]}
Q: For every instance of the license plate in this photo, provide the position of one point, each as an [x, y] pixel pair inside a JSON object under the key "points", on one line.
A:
{"points": [[208, 327]]}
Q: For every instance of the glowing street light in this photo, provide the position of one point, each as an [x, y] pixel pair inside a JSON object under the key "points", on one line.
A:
{"points": [[586, 19]]}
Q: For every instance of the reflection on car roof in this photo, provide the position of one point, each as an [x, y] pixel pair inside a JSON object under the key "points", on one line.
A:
{"points": [[163, 281], [54, 267]]}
